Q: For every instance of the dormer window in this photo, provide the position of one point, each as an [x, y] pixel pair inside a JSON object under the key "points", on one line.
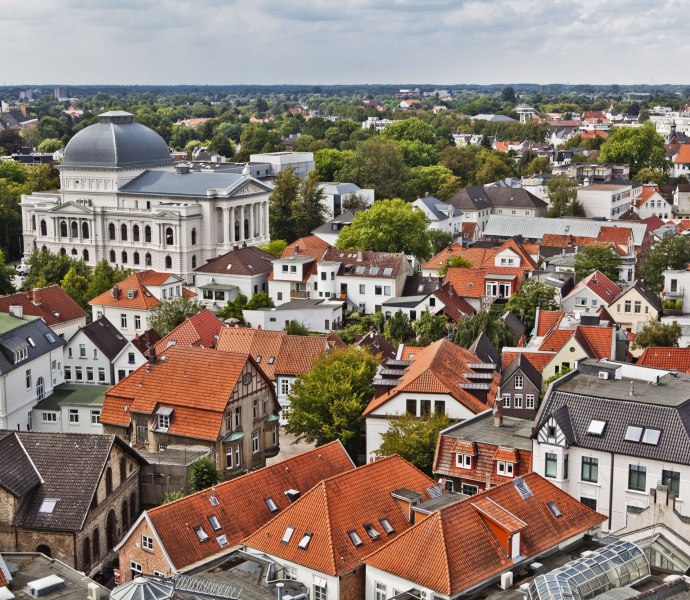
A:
{"points": [[21, 354], [463, 461], [163, 419], [507, 469]]}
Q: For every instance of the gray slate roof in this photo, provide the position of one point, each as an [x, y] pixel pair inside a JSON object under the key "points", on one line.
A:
{"points": [[514, 198], [521, 363], [17, 474], [515, 433], [242, 261], [484, 349], [516, 326], [648, 295], [106, 337], [194, 184], [17, 338], [472, 198]]}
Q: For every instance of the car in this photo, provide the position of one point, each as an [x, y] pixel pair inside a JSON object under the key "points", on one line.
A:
{"points": [[22, 270]]}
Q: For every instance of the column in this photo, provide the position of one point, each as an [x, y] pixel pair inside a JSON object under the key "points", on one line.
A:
{"points": [[231, 230], [226, 229], [251, 221], [264, 217]]}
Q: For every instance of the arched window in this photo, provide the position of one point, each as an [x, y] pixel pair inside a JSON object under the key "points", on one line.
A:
{"points": [[108, 481], [194, 237], [85, 254], [86, 555], [63, 228], [44, 227], [96, 544], [169, 239], [147, 234], [132, 506], [246, 229], [136, 258], [40, 389], [85, 230], [44, 549], [75, 229], [111, 231], [168, 262], [135, 233], [33, 222], [124, 258], [74, 252], [125, 514], [237, 231], [147, 260], [63, 251], [193, 262], [112, 256], [123, 470], [44, 249], [123, 233]]}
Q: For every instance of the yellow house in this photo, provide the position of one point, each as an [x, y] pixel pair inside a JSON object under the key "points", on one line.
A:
{"points": [[585, 341], [634, 306]]}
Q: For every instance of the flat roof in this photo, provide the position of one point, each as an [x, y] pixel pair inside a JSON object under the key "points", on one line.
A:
{"points": [[9, 322], [74, 394], [174, 455], [514, 433]]}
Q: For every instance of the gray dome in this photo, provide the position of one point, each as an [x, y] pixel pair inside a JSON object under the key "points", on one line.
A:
{"points": [[117, 141]]}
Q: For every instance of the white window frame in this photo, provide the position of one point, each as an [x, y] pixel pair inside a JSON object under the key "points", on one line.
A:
{"points": [[146, 542], [506, 400], [49, 417], [256, 441], [517, 401], [73, 416], [529, 401], [95, 413], [519, 382], [463, 461], [507, 469]]}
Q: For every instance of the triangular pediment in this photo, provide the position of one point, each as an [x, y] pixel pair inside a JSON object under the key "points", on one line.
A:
{"points": [[72, 208], [249, 188]]}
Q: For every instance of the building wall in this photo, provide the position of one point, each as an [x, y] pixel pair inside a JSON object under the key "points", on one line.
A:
{"points": [[132, 551], [392, 583], [8, 507], [248, 286], [87, 419], [571, 352], [352, 585], [629, 319], [319, 319], [114, 314], [583, 300], [509, 389], [123, 365], [93, 359]]}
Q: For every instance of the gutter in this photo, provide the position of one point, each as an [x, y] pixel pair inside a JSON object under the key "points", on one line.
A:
{"points": [[611, 493]]}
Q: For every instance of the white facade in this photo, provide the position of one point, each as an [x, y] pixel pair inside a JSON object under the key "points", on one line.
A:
{"points": [[68, 418], [336, 194], [582, 300], [322, 316], [605, 200], [677, 287], [215, 289], [301, 163], [445, 217], [130, 322]]}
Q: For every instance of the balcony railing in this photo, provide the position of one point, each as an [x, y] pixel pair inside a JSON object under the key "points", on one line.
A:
{"points": [[676, 292], [298, 294]]}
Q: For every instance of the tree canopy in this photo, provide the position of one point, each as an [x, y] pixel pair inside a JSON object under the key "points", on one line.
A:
{"points": [[398, 328], [429, 327], [639, 147], [656, 333], [173, 312], [670, 253], [598, 258], [496, 329], [203, 474], [562, 194], [532, 295], [453, 262]]}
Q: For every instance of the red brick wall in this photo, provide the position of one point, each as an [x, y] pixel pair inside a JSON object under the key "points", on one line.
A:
{"points": [[149, 560]]}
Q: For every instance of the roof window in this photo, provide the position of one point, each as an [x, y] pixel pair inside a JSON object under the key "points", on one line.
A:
{"points": [[214, 522], [304, 542], [388, 271], [633, 433], [596, 428], [271, 504], [258, 359], [651, 436], [222, 541], [200, 533], [522, 488], [50, 337], [371, 532], [271, 360], [287, 536], [31, 342], [354, 538], [48, 506], [387, 527], [554, 509]]}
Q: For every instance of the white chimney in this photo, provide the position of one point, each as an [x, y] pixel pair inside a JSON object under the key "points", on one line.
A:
{"points": [[17, 310]]}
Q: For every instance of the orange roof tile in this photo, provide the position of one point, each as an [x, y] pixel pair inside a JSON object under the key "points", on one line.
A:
{"points": [[507, 454], [298, 352], [310, 245], [143, 299], [601, 285], [599, 339], [468, 230], [52, 304], [336, 506], [660, 357], [498, 514], [409, 352], [439, 369], [555, 340], [616, 235], [481, 257], [547, 319], [454, 550], [470, 283], [683, 156], [465, 447], [537, 359], [200, 331], [175, 522]]}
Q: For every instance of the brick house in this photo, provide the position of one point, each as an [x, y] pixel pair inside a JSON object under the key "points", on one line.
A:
{"points": [[70, 496]]}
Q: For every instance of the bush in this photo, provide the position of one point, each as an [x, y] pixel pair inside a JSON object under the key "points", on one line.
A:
{"points": [[203, 474]]}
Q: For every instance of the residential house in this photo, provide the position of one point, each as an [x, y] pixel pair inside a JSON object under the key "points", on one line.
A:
{"points": [[240, 271], [681, 201], [681, 161], [650, 203], [336, 194], [677, 287], [483, 451], [608, 432], [481, 287], [634, 306], [330, 230], [69, 496], [377, 345], [321, 315], [468, 545], [30, 367], [221, 401], [520, 388], [666, 358], [441, 215], [606, 200], [516, 201], [201, 330], [321, 539], [591, 293], [157, 543], [52, 304], [71, 408], [475, 204], [441, 378]]}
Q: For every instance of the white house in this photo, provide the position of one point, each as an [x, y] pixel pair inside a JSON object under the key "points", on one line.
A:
{"points": [[320, 315], [677, 287], [606, 200], [337, 193], [590, 294], [301, 163], [681, 161], [650, 203], [609, 432], [71, 408], [441, 216], [475, 204], [30, 367]]}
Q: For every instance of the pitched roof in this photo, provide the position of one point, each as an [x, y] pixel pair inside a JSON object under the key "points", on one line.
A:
{"points": [[242, 261], [616, 235], [454, 550], [298, 352], [199, 331], [522, 363], [514, 198], [377, 345], [135, 285], [597, 341], [52, 304], [470, 283], [383, 265], [601, 285], [18, 475], [105, 336], [546, 319], [662, 357], [440, 368], [310, 245], [472, 198], [683, 156], [174, 522], [482, 257], [516, 326], [454, 307], [338, 505], [33, 335], [538, 359], [647, 294], [255, 342]]}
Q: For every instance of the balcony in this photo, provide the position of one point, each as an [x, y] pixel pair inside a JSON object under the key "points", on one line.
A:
{"points": [[674, 291], [298, 294]]}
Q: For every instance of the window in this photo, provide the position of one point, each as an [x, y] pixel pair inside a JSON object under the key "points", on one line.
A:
{"points": [[256, 441], [505, 468], [123, 320], [590, 469], [596, 428], [130, 358], [135, 569], [378, 290], [424, 408], [68, 372], [320, 591], [163, 421], [371, 531], [270, 503], [193, 237], [638, 306], [551, 467], [469, 490], [287, 536], [304, 542], [111, 231], [354, 538], [517, 401], [89, 374], [554, 509], [651, 436], [506, 400], [28, 379], [168, 262], [284, 387], [123, 233], [101, 374], [146, 542], [463, 461], [200, 533], [135, 233], [633, 433], [627, 306], [440, 407], [387, 527], [381, 591], [73, 416], [124, 258], [362, 288], [49, 417], [169, 238], [591, 502], [637, 478], [529, 401], [147, 234], [147, 260], [238, 417], [290, 573], [411, 407], [95, 415], [519, 382], [671, 479], [255, 408], [193, 261], [215, 523], [137, 323]]}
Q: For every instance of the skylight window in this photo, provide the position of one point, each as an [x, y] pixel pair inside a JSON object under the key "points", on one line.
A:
{"points": [[651, 436], [271, 504], [387, 527], [354, 538], [50, 337], [271, 360], [214, 522], [258, 359], [596, 427], [373, 271], [200, 533], [31, 342], [360, 270], [388, 271], [222, 541], [48, 506], [304, 542], [371, 532], [522, 488], [554, 509], [633, 433], [214, 501], [287, 536]]}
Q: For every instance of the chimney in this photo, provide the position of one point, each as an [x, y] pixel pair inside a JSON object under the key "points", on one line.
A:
{"points": [[36, 296], [498, 413], [152, 355], [17, 311]]}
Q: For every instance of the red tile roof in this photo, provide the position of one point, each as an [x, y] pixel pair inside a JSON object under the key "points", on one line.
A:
{"points": [[470, 283], [616, 235], [482, 257], [440, 369], [537, 359], [175, 522], [556, 339], [454, 307], [298, 352], [601, 285], [660, 357], [199, 331], [137, 282], [310, 245], [597, 341], [52, 304], [683, 156], [454, 549], [547, 319], [338, 505]]}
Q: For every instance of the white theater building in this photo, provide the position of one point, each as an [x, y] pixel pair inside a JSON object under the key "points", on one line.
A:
{"points": [[122, 199]]}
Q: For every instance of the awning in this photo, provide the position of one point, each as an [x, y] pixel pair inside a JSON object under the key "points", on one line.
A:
{"points": [[164, 411], [272, 418], [218, 286], [235, 436]]}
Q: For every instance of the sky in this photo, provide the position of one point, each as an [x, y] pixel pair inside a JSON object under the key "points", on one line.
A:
{"points": [[342, 41]]}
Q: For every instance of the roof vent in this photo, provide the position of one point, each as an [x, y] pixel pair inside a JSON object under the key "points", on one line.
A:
{"points": [[44, 586], [182, 169]]}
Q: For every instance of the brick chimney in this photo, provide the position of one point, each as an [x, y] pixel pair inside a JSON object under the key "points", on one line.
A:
{"points": [[498, 413], [36, 297]]}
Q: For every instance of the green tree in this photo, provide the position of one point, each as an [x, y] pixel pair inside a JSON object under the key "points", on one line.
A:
{"points": [[355, 202], [439, 240], [414, 439], [656, 333], [103, 278], [327, 402], [48, 269], [388, 226], [398, 328], [562, 194], [598, 258], [172, 495], [233, 309], [463, 163], [308, 211], [508, 95], [418, 154], [173, 312], [412, 129], [274, 247], [639, 147], [670, 253], [203, 474], [281, 202], [532, 295], [10, 141], [329, 161], [76, 285], [50, 145], [428, 180], [647, 175], [483, 322], [260, 300], [7, 274], [222, 145], [454, 262], [429, 327], [296, 328], [494, 166]]}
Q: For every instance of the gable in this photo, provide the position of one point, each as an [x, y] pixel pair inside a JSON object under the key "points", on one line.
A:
{"points": [[551, 433], [71, 208], [507, 258], [250, 188]]}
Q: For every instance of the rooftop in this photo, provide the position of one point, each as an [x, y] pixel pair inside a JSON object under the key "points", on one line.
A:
{"points": [[52, 304], [73, 394], [513, 433]]}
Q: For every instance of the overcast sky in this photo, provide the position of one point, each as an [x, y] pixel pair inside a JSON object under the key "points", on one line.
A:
{"points": [[342, 41]]}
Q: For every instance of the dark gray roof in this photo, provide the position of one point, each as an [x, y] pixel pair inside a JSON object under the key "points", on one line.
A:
{"points": [[165, 183], [416, 285], [472, 198], [514, 198], [116, 142], [648, 295], [17, 474], [665, 406], [18, 338], [521, 363], [434, 205], [514, 433], [106, 337], [484, 349], [516, 326], [337, 223], [242, 261]]}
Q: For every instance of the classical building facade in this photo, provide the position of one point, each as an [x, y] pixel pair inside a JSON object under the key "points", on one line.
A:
{"points": [[122, 199]]}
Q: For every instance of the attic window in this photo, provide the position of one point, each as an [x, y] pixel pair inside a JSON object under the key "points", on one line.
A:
{"points": [[633, 433], [522, 488], [215, 523], [271, 360], [360, 270], [354, 538], [651, 436], [200, 533], [554, 509], [213, 500], [48, 506], [287, 536], [222, 541], [258, 359], [387, 527], [304, 542], [596, 428], [271, 504], [31, 342], [388, 271], [50, 337], [373, 271], [371, 532]]}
